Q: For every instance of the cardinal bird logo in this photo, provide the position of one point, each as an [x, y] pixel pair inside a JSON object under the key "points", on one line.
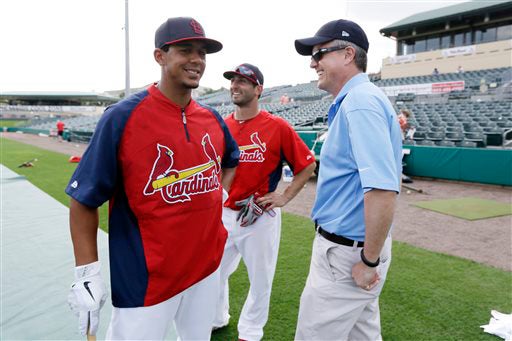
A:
{"points": [[178, 185], [253, 152]]}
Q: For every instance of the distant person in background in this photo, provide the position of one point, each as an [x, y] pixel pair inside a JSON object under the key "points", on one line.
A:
{"points": [[403, 118], [284, 99], [435, 72], [407, 133], [60, 130], [460, 69]]}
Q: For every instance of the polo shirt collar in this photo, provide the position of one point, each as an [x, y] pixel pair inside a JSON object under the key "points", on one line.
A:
{"points": [[360, 78]]}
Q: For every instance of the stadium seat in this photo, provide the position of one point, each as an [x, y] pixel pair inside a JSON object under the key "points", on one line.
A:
{"points": [[454, 136], [479, 138], [425, 143], [420, 135], [445, 143], [466, 144], [436, 136]]}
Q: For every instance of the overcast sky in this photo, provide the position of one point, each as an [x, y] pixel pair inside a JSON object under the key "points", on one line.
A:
{"points": [[78, 45]]}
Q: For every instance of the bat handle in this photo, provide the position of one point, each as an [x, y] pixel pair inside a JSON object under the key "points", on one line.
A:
{"points": [[89, 336]]}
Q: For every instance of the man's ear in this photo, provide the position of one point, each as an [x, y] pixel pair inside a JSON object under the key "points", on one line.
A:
{"points": [[350, 54], [159, 56], [260, 89]]}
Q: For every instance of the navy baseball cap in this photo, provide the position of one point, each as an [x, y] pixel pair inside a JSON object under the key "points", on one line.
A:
{"points": [[176, 30], [337, 29], [248, 71]]}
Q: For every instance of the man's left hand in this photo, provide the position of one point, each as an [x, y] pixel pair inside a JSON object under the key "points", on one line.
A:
{"points": [[272, 200], [365, 277]]}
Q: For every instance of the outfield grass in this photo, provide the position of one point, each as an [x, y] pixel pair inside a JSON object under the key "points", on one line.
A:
{"points": [[12, 123], [51, 171], [428, 296]]}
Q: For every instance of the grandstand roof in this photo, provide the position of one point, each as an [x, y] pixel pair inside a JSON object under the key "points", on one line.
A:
{"points": [[57, 95], [444, 13]]}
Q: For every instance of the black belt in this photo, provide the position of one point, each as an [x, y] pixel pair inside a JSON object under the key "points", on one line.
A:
{"points": [[335, 238]]}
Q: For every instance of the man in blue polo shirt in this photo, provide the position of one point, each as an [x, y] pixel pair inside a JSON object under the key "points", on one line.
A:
{"points": [[357, 189]]}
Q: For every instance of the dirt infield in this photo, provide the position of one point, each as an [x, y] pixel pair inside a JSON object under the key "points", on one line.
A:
{"points": [[487, 241]]}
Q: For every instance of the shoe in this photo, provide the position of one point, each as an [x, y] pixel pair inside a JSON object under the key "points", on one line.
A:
{"points": [[406, 179]]}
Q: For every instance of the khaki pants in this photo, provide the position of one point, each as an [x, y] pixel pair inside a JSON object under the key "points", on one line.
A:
{"points": [[332, 307]]}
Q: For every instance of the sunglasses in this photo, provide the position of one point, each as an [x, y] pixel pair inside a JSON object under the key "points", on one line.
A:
{"points": [[318, 55], [248, 73]]}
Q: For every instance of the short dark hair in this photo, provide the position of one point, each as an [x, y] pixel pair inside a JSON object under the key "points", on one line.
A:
{"points": [[166, 48]]}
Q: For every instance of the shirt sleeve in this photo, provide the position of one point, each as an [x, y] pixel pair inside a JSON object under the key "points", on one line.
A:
{"points": [[232, 153], [295, 151], [369, 135], [94, 180]]}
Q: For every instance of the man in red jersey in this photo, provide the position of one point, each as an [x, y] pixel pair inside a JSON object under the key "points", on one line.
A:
{"points": [[60, 130], [161, 160], [252, 213]]}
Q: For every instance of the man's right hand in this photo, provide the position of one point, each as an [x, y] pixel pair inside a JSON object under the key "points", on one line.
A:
{"points": [[87, 295]]}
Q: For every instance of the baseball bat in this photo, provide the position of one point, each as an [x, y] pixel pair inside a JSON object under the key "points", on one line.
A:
{"points": [[89, 336], [419, 190]]}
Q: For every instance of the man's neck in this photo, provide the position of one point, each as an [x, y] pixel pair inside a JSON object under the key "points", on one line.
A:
{"points": [[346, 78], [177, 94], [247, 112]]}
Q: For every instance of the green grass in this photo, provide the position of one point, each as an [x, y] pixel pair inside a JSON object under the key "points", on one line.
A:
{"points": [[468, 208], [11, 123], [51, 171], [428, 296]]}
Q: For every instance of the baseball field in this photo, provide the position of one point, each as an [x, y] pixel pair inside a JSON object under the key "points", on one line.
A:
{"points": [[428, 295]]}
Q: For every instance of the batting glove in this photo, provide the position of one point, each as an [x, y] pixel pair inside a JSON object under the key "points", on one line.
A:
{"points": [[87, 295], [250, 211]]}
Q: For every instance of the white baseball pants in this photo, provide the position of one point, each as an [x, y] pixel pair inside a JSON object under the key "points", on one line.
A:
{"points": [[332, 307], [192, 311], [258, 245]]}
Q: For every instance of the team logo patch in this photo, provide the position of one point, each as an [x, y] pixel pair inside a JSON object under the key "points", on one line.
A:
{"points": [[253, 152], [198, 29], [178, 185]]}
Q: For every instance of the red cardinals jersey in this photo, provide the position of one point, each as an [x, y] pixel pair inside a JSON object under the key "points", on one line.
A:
{"points": [[265, 141], [159, 165]]}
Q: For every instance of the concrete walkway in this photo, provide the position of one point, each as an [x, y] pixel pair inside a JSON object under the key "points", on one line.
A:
{"points": [[37, 265]]}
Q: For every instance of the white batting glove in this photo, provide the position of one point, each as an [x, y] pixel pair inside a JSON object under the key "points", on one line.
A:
{"points": [[87, 295]]}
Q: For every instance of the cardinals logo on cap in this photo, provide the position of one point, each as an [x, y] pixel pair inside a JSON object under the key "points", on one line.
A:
{"points": [[198, 29], [178, 185]]}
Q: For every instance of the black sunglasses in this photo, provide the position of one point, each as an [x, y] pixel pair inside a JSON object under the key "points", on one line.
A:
{"points": [[249, 73], [317, 56]]}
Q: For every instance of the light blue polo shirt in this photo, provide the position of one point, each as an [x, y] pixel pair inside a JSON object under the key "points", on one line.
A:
{"points": [[363, 151]]}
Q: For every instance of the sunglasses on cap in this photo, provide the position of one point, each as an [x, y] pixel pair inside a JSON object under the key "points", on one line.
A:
{"points": [[244, 70], [318, 55]]}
